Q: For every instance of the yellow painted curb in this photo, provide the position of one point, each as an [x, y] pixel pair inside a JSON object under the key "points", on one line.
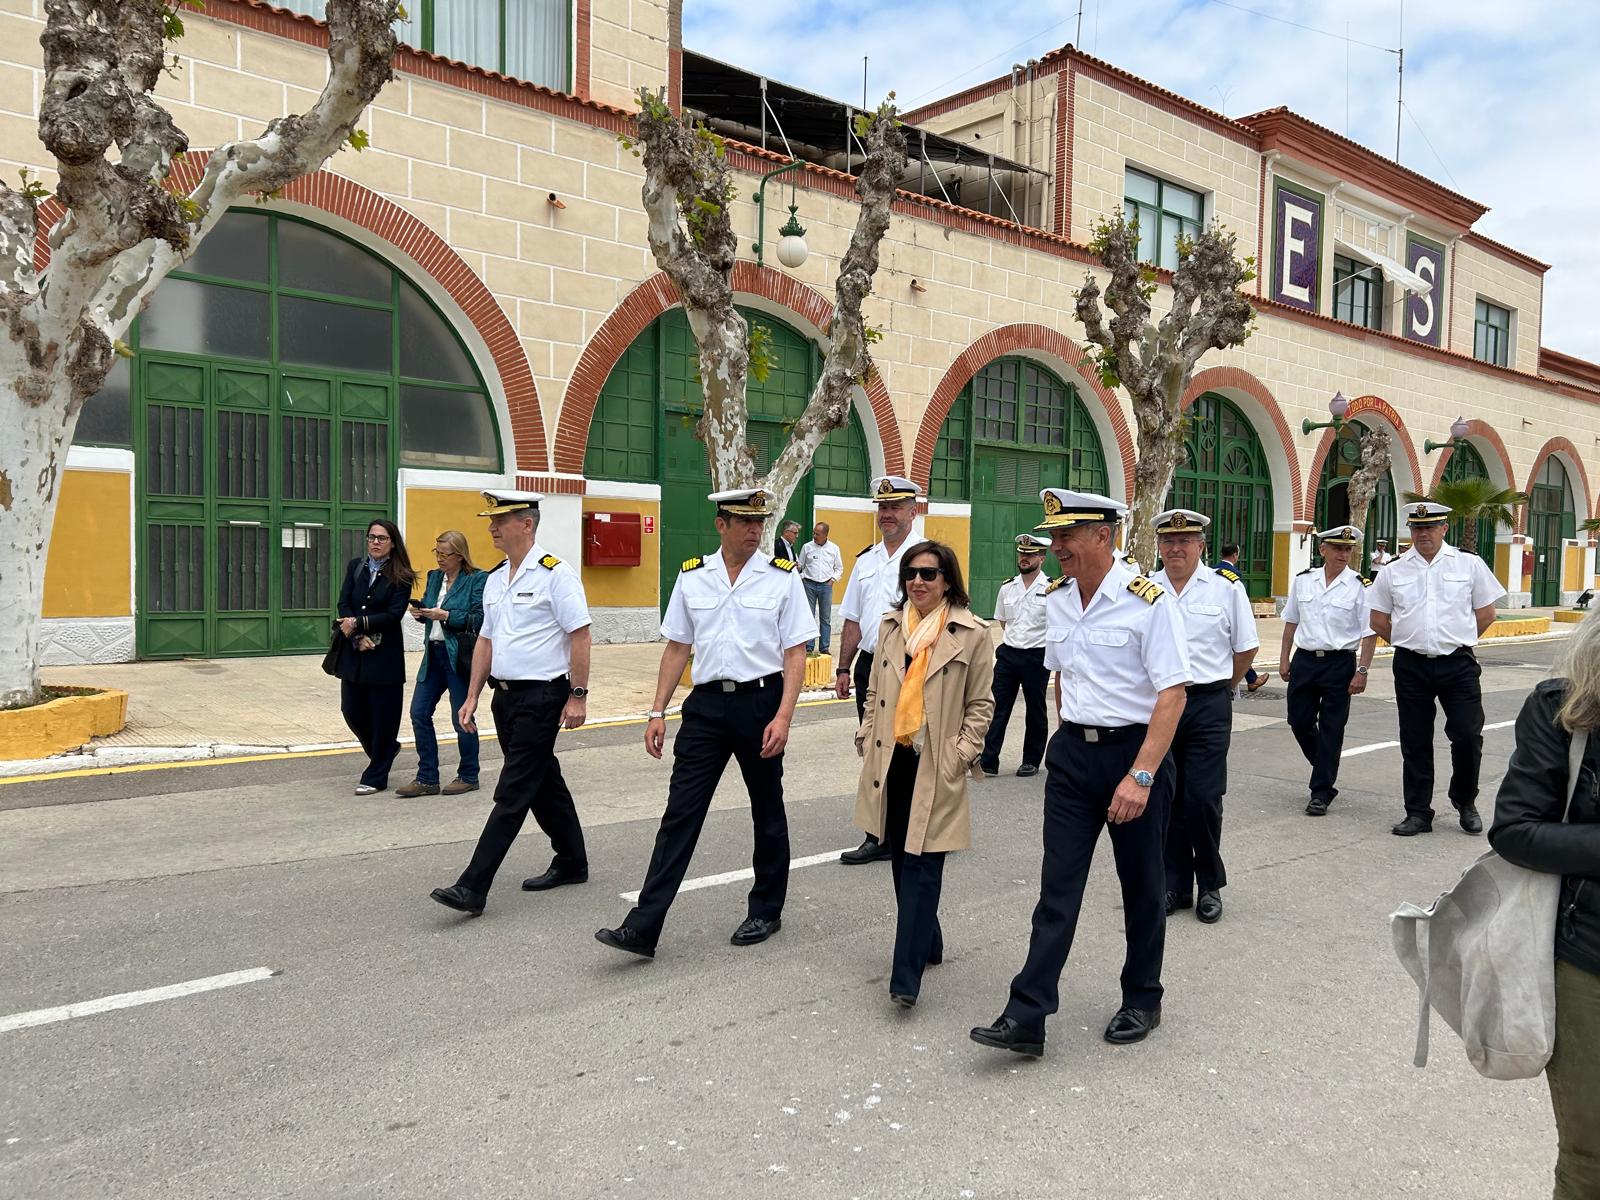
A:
{"points": [[1569, 616], [1517, 627], [62, 724], [819, 671]]}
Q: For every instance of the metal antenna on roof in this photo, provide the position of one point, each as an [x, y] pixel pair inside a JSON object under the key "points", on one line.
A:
{"points": [[1400, 82], [863, 81], [1077, 38]]}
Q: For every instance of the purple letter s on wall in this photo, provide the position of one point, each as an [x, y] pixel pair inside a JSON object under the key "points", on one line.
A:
{"points": [[1424, 319]]}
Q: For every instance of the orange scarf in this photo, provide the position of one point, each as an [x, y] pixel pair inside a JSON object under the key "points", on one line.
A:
{"points": [[921, 633]]}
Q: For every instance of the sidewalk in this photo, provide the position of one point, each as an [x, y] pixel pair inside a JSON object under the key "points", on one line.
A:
{"points": [[225, 708]]}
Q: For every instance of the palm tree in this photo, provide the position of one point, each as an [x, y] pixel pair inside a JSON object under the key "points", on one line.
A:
{"points": [[1473, 500]]}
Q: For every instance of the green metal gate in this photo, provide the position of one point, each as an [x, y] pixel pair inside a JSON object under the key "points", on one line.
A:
{"points": [[1225, 476], [1015, 428], [256, 486], [1333, 499], [1551, 520]]}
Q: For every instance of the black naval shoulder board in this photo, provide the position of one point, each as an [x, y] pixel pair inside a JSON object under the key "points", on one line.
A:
{"points": [[1058, 581], [1365, 582], [1307, 571], [1230, 575], [865, 550], [692, 564], [783, 564], [1144, 589], [549, 562]]}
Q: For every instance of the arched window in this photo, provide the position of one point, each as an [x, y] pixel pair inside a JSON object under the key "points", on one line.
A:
{"points": [[1466, 463], [1333, 499], [1225, 476]]}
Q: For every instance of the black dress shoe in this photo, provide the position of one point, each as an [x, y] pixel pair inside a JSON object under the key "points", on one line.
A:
{"points": [[1027, 769], [623, 938], [990, 770], [461, 899], [553, 879], [1317, 806], [1132, 1025], [870, 850], [1006, 1034], [1175, 902], [1471, 822], [1209, 907], [1412, 826], [755, 930], [903, 1001]]}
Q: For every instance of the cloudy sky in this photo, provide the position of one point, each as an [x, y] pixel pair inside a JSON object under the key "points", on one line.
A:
{"points": [[1501, 98]]}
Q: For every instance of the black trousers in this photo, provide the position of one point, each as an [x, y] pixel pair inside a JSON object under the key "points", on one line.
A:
{"points": [[372, 711], [1077, 795], [863, 676], [1453, 681], [1200, 759], [918, 881], [1319, 707], [718, 726], [1015, 669], [527, 721]]}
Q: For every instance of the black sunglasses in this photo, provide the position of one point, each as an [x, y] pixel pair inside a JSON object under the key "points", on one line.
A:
{"points": [[926, 574]]}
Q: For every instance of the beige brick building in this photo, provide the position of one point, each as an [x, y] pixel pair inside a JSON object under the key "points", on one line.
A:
{"points": [[470, 303]]}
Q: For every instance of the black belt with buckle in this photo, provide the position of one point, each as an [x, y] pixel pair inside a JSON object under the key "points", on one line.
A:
{"points": [[1101, 733], [729, 685], [522, 685], [1325, 653], [1198, 689], [1467, 650]]}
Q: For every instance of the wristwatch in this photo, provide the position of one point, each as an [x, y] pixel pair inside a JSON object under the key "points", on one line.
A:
{"points": [[580, 692], [1361, 670], [1142, 778], [842, 671], [655, 714]]}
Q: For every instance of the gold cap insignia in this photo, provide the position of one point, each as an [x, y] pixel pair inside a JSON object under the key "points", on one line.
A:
{"points": [[1420, 510], [1179, 521], [1052, 504], [885, 487], [757, 500]]}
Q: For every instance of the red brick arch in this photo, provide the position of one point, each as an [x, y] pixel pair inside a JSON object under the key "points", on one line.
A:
{"points": [[395, 226], [1483, 434], [1015, 339], [1573, 462], [1225, 379], [1361, 404], [657, 295]]}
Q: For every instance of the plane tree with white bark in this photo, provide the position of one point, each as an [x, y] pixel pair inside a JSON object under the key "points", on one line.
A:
{"points": [[127, 224], [688, 197]]}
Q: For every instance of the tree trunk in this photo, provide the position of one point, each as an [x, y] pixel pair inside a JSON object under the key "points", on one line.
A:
{"points": [[1469, 532], [1160, 449], [33, 456], [1363, 485]]}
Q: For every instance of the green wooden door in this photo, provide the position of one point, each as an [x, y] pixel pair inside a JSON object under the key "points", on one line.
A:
{"points": [[1225, 476], [1005, 502], [1545, 526], [175, 510]]}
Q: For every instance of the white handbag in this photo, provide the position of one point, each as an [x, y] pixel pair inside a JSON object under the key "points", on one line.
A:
{"points": [[1483, 957]]}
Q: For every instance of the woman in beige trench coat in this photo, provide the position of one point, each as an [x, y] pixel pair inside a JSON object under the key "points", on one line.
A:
{"points": [[928, 708]]}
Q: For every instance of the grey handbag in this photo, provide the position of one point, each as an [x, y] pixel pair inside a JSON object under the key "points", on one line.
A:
{"points": [[1483, 957]]}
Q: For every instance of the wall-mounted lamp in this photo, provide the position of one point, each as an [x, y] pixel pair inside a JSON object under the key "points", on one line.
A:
{"points": [[1458, 436], [792, 249], [1338, 408], [556, 201], [917, 287]]}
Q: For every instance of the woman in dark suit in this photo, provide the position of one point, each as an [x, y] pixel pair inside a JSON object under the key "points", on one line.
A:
{"points": [[372, 661]]}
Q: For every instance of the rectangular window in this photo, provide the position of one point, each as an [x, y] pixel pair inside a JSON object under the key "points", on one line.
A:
{"points": [[1491, 334], [525, 39], [1357, 292], [1165, 213]]}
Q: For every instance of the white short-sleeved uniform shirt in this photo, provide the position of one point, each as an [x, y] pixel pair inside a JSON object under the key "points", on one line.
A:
{"points": [[1216, 618], [1431, 603], [1021, 606], [529, 618], [1328, 616], [739, 630], [874, 585], [1116, 654]]}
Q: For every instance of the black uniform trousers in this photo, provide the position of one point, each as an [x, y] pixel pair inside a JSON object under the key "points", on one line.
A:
{"points": [[918, 881], [863, 677], [527, 718], [719, 725], [1453, 681], [372, 712], [1082, 777], [1319, 706], [1013, 669], [1200, 762]]}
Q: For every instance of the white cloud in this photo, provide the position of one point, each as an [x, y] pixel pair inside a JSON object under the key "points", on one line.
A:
{"points": [[1504, 94]]}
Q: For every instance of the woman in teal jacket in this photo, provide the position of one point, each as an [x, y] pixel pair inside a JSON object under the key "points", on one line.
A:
{"points": [[451, 613]]}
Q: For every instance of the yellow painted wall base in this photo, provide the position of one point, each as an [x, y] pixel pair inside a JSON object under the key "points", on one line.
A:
{"points": [[955, 532], [64, 724], [90, 564], [627, 587], [1280, 562], [1572, 569], [850, 531], [432, 511], [1517, 627], [1568, 616]]}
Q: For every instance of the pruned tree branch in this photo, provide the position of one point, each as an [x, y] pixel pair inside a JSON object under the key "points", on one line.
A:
{"points": [[1363, 484]]}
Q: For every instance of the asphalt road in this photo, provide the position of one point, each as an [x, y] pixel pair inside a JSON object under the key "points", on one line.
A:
{"points": [[402, 1051]]}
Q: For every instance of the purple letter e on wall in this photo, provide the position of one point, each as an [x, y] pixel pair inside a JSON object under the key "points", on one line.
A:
{"points": [[1297, 221]]}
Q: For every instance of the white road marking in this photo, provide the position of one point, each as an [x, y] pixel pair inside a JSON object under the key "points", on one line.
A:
{"points": [[1499, 725], [1351, 753], [705, 881], [86, 1008]]}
